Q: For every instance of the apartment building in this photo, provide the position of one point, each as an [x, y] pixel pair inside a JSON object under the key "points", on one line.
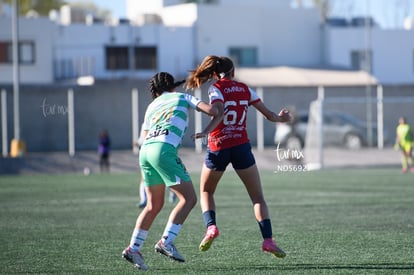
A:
{"points": [[175, 37]]}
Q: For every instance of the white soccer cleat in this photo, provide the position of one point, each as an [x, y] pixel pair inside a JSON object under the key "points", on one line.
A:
{"points": [[169, 250], [134, 257]]}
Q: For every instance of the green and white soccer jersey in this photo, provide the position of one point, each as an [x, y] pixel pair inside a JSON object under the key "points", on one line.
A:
{"points": [[166, 118]]}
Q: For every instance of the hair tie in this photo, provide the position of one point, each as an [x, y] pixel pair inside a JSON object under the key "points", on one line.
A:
{"points": [[178, 83], [222, 75], [175, 84]]}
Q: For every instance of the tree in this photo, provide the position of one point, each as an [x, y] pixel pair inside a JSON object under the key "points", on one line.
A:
{"points": [[91, 8], [42, 7]]}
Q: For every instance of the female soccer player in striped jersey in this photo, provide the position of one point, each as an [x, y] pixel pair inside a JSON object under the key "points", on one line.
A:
{"points": [[165, 123], [229, 143]]}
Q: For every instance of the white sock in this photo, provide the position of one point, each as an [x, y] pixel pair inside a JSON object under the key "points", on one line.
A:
{"points": [[170, 232], [138, 238]]}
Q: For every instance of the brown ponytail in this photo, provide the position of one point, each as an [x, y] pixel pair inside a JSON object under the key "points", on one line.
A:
{"points": [[203, 73], [220, 66]]}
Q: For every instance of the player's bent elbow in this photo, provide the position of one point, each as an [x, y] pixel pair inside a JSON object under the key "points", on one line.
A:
{"points": [[208, 109], [212, 111]]}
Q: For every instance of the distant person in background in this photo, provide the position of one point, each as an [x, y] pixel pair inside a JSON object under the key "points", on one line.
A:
{"points": [[404, 142], [104, 150]]}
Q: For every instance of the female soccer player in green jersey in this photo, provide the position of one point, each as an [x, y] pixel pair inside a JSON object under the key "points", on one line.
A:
{"points": [[164, 126]]}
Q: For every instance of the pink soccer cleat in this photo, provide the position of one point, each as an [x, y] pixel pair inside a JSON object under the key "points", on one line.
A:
{"points": [[270, 246], [211, 233]]}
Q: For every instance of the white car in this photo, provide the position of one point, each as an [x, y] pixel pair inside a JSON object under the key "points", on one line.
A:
{"points": [[339, 129]]}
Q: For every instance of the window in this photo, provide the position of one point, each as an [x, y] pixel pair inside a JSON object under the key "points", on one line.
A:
{"points": [[26, 52], [361, 60], [4, 52], [116, 58], [244, 57], [145, 58]]}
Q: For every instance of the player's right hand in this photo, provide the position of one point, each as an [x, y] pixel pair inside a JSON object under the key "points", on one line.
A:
{"points": [[199, 135]]}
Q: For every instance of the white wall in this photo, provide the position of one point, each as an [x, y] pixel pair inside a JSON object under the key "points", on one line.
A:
{"points": [[80, 42], [176, 50], [290, 37], [283, 36], [255, 3], [39, 31], [135, 9], [180, 15], [77, 44], [394, 56], [392, 52], [340, 43]]}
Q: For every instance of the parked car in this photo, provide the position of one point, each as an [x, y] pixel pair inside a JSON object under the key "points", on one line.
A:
{"points": [[339, 129]]}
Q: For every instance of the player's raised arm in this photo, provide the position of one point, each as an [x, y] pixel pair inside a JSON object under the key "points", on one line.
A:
{"points": [[208, 109], [282, 116]]}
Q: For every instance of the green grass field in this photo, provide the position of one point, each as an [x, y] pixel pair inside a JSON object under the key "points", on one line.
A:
{"points": [[329, 222]]}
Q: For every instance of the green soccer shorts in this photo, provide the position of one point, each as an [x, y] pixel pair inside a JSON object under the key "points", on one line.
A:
{"points": [[160, 164]]}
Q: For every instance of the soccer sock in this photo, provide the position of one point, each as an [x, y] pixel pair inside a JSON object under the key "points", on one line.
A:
{"points": [[138, 238], [209, 218], [265, 228], [170, 232]]}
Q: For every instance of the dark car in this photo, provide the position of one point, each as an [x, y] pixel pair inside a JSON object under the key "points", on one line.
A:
{"points": [[339, 129]]}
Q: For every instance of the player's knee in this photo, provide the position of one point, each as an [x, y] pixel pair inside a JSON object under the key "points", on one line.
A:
{"points": [[190, 201], [155, 207]]}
